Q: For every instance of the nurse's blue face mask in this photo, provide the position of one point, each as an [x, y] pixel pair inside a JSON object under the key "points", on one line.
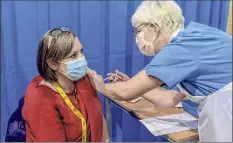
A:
{"points": [[77, 68]]}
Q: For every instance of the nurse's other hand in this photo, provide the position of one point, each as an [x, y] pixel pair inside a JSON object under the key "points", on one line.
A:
{"points": [[90, 73], [97, 81], [117, 77], [134, 100]]}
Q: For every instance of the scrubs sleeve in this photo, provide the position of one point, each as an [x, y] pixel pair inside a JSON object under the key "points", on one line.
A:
{"points": [[172, 65], [173, 88]]}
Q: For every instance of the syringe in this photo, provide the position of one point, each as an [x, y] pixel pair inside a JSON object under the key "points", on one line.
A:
{"points": [[109, 77]]}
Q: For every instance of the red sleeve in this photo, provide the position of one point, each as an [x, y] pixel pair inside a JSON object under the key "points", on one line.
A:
{"points": [[44, 120]]}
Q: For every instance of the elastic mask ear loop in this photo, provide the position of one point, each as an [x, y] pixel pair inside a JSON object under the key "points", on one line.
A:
{"points": [[157, 35], [156, 29], [61, 62], [155, 38], [65, 74]]}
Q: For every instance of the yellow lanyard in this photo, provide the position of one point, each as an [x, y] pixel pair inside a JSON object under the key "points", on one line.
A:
{"points": [[76, 112]]}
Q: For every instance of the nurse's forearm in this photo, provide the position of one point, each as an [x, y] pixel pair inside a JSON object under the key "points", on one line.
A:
{"points": [[114, 91], [118, 91], [161, 97], [131, 89]]}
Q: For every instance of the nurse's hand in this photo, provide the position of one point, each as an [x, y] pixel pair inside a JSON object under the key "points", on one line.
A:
{"points": [[96, 80], [89, 74], [117, 77]]}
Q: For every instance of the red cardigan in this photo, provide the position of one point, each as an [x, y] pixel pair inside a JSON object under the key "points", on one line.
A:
{"points": [[48, 118]]}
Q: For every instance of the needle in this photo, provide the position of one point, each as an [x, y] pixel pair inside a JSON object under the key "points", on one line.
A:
{"points": [[109, 77], [105, 78]]}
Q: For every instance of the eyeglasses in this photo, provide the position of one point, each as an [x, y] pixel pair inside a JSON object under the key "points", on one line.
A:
{"points": [[56, 32], [151, 24], [136, 31]]}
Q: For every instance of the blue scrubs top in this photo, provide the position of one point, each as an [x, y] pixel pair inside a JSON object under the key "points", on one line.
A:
{"points": [[199, 58]]}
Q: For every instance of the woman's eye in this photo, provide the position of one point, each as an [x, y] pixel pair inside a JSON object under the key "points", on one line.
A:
{"points": [[81, 50], [73, 56]]}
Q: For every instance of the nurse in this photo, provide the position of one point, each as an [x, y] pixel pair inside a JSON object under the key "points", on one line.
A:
{"points": [[197, 59]]}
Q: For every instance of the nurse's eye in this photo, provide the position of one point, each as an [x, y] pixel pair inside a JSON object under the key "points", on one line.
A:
{"points": [[138, 31]]}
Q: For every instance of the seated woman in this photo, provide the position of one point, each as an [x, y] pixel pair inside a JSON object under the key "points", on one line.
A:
{"points": [[49, 115]]}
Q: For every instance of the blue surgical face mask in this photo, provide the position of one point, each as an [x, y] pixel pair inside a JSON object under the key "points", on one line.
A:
{"points": [[76, 69]]}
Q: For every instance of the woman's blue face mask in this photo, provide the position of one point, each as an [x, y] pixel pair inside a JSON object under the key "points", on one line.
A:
{"points": [[76, 69]]}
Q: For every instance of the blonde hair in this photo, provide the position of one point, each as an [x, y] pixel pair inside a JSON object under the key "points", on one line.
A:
{"points": [[167, 14]]}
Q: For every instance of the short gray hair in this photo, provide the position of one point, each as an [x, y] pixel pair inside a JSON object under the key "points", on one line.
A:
{"points": [[167, 14]]}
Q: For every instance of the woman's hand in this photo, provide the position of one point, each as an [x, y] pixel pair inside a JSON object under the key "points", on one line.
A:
{"points": [[117, 77]]}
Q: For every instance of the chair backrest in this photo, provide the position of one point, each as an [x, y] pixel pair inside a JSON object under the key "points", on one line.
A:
{"points": [[16, 131]]}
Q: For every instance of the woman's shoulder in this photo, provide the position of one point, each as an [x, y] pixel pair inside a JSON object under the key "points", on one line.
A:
{"points": [[84, 83], [38, 93]]}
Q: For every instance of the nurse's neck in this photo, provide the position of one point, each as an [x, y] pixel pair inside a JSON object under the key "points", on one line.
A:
{"points": [[66, 84], [174, 34]]}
